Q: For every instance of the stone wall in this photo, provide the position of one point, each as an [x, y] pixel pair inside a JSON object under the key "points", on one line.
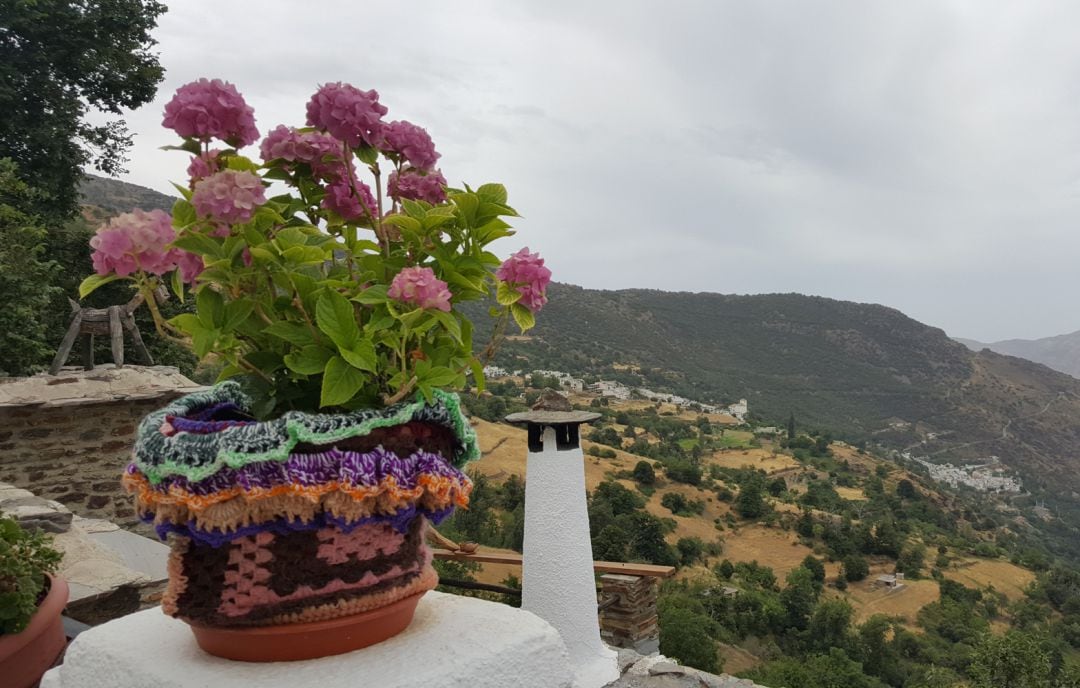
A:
{"points": [[74, 454], [68, 437]]}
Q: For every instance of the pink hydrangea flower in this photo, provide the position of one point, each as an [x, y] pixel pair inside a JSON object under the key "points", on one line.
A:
{"points": [[204, 165], [322, 152], [206, 109], [417, 186], [341, 199], [230, 196], [420, 287], [410, 142], [525, 272], [349, 114], [135, 241], [190, 265]]}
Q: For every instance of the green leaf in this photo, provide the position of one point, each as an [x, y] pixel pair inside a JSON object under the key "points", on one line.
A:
{"points": [[239, 162], [184, 191], [292, 332], [506, 295], [266, 361], [203, 340], [311, 360], [375, 294], [409, 224], [492, 193], [340, 382], [362, 356], [236, 312], [183, 214], [230, 371], [467, 204], [335, 317], [439, 376], [291, 236], [92, 282], [367, 154], [478, 374], [523, 317], [210, 307], [187, 322], [200, 244], [450, 323], [261, 254], [178, 285]]}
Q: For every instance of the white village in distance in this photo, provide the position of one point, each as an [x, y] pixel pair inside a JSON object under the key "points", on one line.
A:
{"points": [[988, 476]]}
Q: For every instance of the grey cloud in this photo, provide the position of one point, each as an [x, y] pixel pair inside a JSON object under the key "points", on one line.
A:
{"points": [[925, 154]]}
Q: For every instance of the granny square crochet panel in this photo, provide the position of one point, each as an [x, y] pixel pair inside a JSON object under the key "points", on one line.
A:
{"points": [[302, 518]]}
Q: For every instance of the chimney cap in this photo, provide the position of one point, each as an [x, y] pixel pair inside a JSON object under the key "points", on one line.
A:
{"points": [[552, 409]]}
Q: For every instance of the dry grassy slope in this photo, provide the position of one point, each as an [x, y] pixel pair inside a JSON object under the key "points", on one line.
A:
{"points": [[504, 453]]}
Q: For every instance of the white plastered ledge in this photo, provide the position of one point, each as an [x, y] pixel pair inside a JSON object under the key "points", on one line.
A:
{"points": [[452, 642]]}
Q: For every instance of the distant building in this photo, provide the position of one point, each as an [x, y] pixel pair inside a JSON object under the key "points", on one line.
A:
{"points": [[615, 390], [739, 410], [893, 581]]}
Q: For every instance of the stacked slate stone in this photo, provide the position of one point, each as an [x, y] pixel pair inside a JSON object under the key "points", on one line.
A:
{"points": [[631, 619], [303, 518]]}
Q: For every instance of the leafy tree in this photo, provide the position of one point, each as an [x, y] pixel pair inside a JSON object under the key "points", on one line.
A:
{"points": [[59, 61], [880, 657], [830, 625], [1014, 659], [832, 670], [622, 500], [855, 567], [644, 473], [755, 574], [815, 566], [25, 277], [912, 560], [673, 502], [683, 472], [612, 543], [691, 550], [888, 540], [750, 503], [683, 636], [777, 487], [791, 427], [725, 569], [513, 492], [906, 489], [799, 597], [805, 525], [647, 540]]}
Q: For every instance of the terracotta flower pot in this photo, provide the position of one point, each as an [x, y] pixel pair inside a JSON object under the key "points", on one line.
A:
{"points": [[290, 642], [25, 656], [309, 527]]}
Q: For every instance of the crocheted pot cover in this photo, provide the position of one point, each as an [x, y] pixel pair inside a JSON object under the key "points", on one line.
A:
{"points": [[302, 518]]}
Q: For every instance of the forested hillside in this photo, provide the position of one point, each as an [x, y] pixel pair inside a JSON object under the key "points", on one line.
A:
{"points": [[786, 544], [866, 372]]}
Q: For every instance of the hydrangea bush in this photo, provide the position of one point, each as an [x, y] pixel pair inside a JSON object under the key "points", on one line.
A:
{"points": [[327, 273]]}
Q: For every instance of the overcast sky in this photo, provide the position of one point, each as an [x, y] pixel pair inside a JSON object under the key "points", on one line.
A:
{"points": [[922, 155]]}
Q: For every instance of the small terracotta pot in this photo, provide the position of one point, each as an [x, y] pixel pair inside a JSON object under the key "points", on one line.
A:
{"points": [[25, 656], [291, 642]]}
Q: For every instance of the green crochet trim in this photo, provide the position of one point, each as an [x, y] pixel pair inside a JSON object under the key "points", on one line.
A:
{"points": [[201, 456]]}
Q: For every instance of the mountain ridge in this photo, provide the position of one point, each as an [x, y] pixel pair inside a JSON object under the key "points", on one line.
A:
{"points": [[865, 371], [1060, 352]]}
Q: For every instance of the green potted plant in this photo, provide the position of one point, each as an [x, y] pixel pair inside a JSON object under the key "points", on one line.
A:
{"points": [[31, 602], [326, 278]]}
